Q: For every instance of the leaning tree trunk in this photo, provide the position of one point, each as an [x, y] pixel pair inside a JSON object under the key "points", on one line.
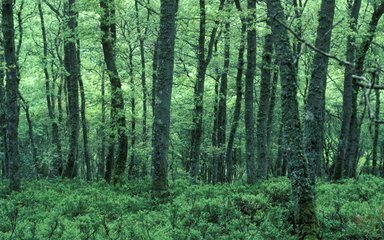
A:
{"points": [[315, 107], [11, 91], [303, 196], [72, 67], [118, 122], [249, 94], [163, 93]]}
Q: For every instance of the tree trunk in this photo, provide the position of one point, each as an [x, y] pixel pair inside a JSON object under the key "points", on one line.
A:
{"points": [[3, 122], [264, 104], [202, 64], [72, 67], [249, 94], [315, 103], [239, 96], [12, 88], [163, 94], [222, 108], [303, 196], [118, 122], [375, 143], [340, 160], [271, 112], [101, 165]]}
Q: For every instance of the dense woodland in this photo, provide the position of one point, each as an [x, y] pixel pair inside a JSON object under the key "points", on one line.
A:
{"points": [[184, 119]]}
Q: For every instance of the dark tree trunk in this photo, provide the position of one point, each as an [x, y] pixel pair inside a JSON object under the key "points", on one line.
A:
{"points": [[3, 122], [249, 94], [133, 170], [214, 173], [162, 112], [341, 156], [202, 64], [222, 108], [271, 112], [84, 125], [315, 103], [11, 91], [101, 165], [239, 96], [303, 196], [118, 122], [264, 104], [72, 67]]}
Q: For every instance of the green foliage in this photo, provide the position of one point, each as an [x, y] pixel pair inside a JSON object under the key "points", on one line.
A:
{"points": [[352, 209]]}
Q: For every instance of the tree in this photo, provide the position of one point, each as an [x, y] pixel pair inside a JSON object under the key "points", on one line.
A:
{"points": [[71, 64], [302, 190], [12, 89], [315, 104], [249, 93], [163, 92], [118, 122]]}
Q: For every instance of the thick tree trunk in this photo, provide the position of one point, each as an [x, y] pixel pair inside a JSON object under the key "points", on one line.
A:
{"points": [[12, 88], [72, 67], [303, 195], [264, 104], [249, 94], [222, 108], [118, 122], [315, 103], [239, 96], [163, 94], [3, 122]]}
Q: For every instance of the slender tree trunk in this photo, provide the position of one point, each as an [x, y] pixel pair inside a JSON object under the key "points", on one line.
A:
{"points": [[72, 67], [11, 91], [264, 103], [340, 160], [142, 35], [271, 112], [239, 96], [303, 194], [375, 143], [202, 62], [215, 127], [118, 122], [162, 108], [249, 94], [222, 108], [84, 125], [133, 170], [101, 165], [315, 103], [58, 162], [30, 134]]}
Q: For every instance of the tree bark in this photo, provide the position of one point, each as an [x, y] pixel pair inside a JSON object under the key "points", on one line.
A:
{"points": [[340, 160], [222, 108], [264, 104], [163, 94], [249, 93], [12, 88], [375, 143], [72, 67], [303, 196], [3, 121], [315, 103]]}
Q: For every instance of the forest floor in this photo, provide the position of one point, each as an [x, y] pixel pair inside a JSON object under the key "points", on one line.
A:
{"points": [[352, 209]]}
